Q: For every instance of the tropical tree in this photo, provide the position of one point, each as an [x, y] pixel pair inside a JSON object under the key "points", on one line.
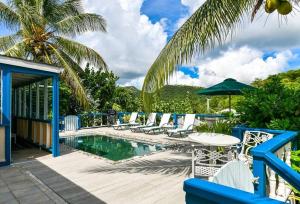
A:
{"points": [[43, 31], [209, 26]]}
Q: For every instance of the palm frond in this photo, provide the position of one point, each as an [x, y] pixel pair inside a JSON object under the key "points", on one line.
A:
{"points": [[8, 41], [8, 16], [210, 25], [80, 52], [18, 50], [55, 11], [75, 66], [71, 78], [81, 23]]}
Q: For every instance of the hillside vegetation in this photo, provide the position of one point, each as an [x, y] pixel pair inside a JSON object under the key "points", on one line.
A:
{"points": [[182, 98]]}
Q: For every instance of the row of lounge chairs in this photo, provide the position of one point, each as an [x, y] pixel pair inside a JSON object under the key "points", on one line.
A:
{"points": [[163, 127]]}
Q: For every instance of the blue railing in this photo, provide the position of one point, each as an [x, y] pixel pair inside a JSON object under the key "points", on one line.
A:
{"points": [[200, 191]]}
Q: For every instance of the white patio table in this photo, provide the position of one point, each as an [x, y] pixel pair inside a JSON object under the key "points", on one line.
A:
{"points": [[214, 139]]}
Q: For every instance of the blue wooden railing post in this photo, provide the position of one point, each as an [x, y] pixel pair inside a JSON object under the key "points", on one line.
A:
{"points": [[79, 122], [259, 171], [55, 118], [175, 120]]}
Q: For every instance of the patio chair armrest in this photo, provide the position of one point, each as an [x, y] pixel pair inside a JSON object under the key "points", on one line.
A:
{"points": [[188, 128], [167, 126]]}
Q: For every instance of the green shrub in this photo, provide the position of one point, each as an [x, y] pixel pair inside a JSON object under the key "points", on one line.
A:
{"points": [[223, 127]]}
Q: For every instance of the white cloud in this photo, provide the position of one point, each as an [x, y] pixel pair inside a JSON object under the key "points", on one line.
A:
{"points": [[137, 82], [192, 4], [244, 64], [132, 41]]}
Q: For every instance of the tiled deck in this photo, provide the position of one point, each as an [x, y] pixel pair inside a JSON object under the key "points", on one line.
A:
{"points": [[19, 186], [76, 177]]}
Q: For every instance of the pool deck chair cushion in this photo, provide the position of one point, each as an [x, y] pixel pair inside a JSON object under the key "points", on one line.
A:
{"points": [[150, 123], [132, 122], [187, 126], [164, 123]]}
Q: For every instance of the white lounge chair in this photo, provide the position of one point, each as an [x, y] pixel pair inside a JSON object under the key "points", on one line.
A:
{"points": [[132, 122], [150, 123], [164, 123], [187, 126]]}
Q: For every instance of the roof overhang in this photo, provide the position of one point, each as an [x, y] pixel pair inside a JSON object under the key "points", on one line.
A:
{"points": [[29, 64]]}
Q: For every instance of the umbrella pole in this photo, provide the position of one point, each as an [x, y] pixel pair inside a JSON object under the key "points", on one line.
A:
{"points": [[229, 103]]}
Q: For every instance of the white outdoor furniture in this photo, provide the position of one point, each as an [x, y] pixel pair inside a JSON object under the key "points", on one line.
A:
{"points": [[164, 123], [71, 123], [206, 161], [187, 128], [132, 122], [214, 139], [252, 139], [235, 174], [216, 151], [150, 123]]}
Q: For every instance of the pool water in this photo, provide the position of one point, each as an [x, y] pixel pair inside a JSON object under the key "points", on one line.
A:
{"points": [[112, 148]]}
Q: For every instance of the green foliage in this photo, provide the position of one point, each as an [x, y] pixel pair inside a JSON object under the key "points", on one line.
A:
{"points": [[183, 99], [127, 99], [273, 105], [116, 107], [68, 104], [224, 127], [101, 86], [295, 159]]}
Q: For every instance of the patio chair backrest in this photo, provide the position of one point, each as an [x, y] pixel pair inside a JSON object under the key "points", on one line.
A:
{"points": [[252, 139], [71, 123], [133, 117], [151, 119], [189, 121], [164, 119], [206, 160]]}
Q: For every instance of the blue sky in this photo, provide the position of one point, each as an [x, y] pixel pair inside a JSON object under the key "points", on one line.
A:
{"points": [[169, 10]]}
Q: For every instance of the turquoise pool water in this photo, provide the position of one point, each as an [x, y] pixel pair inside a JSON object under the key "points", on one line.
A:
{"points": [[111, 148]]}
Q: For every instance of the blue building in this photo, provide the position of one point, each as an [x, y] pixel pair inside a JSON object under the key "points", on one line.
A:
{"points": [[29, 105]]}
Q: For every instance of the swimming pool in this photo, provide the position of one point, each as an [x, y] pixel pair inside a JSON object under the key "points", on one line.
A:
{"points": [[111, 148]]}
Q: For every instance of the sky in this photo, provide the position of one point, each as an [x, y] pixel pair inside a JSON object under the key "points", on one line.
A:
{"points": [[139, 29]]}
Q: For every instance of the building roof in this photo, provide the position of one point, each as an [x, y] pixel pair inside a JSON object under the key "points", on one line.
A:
{"points": [[29, 64]]}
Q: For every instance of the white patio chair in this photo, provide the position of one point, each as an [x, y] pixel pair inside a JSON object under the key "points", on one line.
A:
{"points": [[132, 122], [252, 139], [206, 160], [164, 123], [150, 122], [187, 128], [71, 123]]}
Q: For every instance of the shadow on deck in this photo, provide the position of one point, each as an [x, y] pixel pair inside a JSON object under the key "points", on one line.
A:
{"points": [[64, 188]]}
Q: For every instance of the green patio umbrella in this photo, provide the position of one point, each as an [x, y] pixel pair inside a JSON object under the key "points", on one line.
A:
{"points": [[227, 87]]}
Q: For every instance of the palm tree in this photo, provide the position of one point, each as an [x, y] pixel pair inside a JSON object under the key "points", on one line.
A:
{"points": [[43, 31], [209, 26]]}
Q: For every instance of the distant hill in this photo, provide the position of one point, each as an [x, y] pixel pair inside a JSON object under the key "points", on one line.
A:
{"points": [[170, 92], [134, 90], [289, 79], [177, 92]]}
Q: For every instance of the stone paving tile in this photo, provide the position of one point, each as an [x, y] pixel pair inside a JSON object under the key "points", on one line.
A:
{"points": [[6, 197], [16, 186], [36, 198], [27, 191]]}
